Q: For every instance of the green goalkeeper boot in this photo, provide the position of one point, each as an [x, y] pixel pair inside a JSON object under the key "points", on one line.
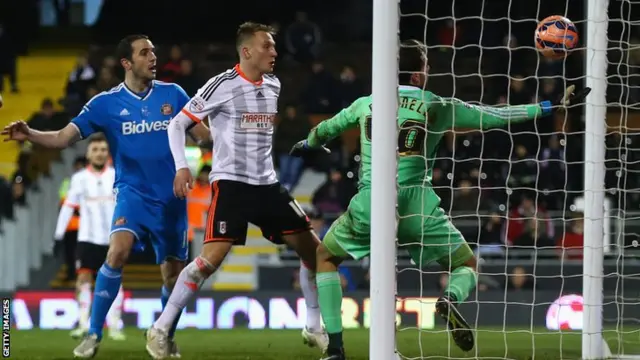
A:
{"points": [[460, 330]]}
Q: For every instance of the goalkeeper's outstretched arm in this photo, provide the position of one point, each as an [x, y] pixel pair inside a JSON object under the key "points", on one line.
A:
{"points": [[460, 114], [332, 128]]}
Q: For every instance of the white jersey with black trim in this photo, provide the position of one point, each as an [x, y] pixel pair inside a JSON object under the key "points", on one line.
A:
{"points": [[92, 192], [241, 115]]}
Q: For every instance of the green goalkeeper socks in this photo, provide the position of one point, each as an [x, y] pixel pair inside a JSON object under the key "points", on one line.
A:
{"points": [[330, 299], [461, 281]]}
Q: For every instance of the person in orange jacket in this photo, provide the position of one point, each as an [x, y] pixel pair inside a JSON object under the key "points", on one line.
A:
{"points": [[198, 201]]}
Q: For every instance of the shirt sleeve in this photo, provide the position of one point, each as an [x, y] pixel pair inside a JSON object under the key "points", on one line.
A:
{"points": [[183, 98], [89, 119], [208, 98], [451, 112], [331, 128], [72, 201], [75, 192]]}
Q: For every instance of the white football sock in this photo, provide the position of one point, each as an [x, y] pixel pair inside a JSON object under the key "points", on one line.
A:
{"points": [[189, 282], [114, 317], [310, 293], [84, 303]]}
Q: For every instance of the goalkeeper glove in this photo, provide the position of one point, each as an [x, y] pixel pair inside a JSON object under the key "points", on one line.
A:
{"points": [[302, 146], [569, 98]]}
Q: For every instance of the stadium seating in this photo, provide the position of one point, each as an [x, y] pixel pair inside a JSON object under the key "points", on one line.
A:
{"points": [[40, 76]]}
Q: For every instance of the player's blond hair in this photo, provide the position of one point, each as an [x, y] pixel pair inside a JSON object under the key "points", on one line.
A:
{"points": [[248, 29]]}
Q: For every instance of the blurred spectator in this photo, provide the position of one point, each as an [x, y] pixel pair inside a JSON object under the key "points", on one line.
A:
{"points": [[186, 79], [214, 54], [552, 179], [571, 243], [199, 201], [48, 119], [349, 87], [520, 280], [550, 90], [170, 71], [23, 172], [8, 60], [448, 34], [81, 77], [291, 129], [319, 96], [522, 171], [318, 223], [491, 239], [466, 198], [106, 80], [550, 67], [332, 197], [509, 60], [110, 62], [6, 199], [303, 38], [19, 191], [529, 225], [519, 93]]}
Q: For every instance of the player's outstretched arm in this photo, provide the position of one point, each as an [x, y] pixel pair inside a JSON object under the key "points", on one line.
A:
{"points": [[464, 115], [20, 131], [329, 129]]}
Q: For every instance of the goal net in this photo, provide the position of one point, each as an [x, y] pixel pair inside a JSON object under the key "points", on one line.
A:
{"points": [[528, 196]]}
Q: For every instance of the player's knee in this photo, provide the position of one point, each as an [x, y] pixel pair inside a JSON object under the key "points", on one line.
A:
{"points": [[119, 249], [215, 252], [323, 254], [199, 270]]}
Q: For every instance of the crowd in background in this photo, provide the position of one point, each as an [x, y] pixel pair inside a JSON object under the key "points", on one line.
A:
{"points": [[518, 179]]}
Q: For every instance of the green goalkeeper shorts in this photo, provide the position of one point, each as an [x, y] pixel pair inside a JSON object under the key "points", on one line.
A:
{"points": [[424, 230]]}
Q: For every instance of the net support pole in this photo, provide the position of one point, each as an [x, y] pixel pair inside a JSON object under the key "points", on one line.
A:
{"points": [[593, 346], [383, 179]]}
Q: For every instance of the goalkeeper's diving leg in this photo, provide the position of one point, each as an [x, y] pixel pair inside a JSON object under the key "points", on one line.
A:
{"points": [[462, 267], [329, 255]]}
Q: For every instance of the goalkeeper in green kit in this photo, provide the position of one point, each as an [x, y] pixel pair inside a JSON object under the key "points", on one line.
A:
{"points": [[424, 229]]}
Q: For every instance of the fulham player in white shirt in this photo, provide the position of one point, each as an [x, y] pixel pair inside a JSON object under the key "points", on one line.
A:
{"points": [[91, 191], [240, 105]]}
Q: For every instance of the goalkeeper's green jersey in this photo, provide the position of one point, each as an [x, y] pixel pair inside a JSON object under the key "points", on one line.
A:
{"points": [[423, 118]]}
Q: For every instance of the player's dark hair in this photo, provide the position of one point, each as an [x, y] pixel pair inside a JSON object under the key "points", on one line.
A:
{"points": [[124, 50], [412, 56], [249, 29], [97, 138]]}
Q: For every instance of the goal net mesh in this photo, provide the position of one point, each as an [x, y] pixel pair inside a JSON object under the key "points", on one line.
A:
{"points": [[516, 193]]}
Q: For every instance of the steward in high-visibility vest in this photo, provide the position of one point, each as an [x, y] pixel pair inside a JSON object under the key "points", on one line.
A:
{"points": [[198, 201]]}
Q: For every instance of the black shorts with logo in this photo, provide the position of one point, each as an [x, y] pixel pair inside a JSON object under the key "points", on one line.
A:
{"points": [[235, 204], [90, 257]]}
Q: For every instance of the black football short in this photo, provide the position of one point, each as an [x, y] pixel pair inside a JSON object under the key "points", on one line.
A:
{"points": [[235, 204], [90, 257]]}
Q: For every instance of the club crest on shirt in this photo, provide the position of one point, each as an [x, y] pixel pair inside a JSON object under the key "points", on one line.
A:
{"points": [[120, 221], [222, 227], [196, 104], [166, 109]]}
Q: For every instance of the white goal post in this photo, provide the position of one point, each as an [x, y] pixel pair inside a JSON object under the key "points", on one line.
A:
{"points": [[385, 44], [383, 178]]}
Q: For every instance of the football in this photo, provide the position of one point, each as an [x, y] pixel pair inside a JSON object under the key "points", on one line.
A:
{"points": [[556, 36]]}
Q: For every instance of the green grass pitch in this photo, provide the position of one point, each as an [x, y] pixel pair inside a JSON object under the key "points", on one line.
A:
{"points": [[287, 345]]}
